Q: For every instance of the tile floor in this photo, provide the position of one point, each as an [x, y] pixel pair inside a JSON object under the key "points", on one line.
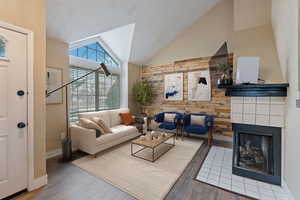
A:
{"points": [[217, 170]]}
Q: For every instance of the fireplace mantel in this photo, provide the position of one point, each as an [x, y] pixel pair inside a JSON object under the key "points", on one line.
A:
{"points": [[257, 90]]}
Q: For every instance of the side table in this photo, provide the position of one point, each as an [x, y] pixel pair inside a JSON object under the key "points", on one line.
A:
{"points": [[139, 123], [149, 121], [179, 128]]}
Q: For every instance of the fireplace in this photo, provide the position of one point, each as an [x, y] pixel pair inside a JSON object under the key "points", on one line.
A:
{"points": [[257, 152]]}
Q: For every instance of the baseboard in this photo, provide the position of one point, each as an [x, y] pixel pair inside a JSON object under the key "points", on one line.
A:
{"points": [[38, 182], [57, 152], [218, 137], [284, 185], [53, 153]]}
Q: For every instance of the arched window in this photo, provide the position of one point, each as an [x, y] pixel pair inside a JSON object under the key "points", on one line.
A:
{"points": [[94, 52], [2, 46]]}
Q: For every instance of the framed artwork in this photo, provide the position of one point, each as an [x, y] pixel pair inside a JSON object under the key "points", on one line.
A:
{"points": [[199, 86], [54, 80], [174, 87]]}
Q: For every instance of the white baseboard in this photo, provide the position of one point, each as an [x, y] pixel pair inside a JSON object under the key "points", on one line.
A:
{"points": [[38, 182]]}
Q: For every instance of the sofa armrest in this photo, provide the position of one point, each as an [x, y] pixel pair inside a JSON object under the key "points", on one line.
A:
{"points": [[85, 131], [83, 138]]}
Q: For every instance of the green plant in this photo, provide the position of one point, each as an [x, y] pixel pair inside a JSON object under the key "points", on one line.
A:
{"points": [[143, 92], [227, 70]]}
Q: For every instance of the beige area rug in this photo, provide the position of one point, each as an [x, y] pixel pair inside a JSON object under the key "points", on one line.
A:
{"points": [[140, 178]]}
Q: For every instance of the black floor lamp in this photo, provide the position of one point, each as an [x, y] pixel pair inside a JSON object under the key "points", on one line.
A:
{"points": [[67, 142]]}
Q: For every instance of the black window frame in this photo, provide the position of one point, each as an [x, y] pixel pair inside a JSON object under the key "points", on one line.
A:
{"points": [[100, 96]]}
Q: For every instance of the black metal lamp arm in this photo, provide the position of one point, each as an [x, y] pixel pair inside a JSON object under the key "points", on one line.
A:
{"points": [[103, 68]]}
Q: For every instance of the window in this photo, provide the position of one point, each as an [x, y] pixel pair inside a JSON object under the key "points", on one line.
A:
{"points": [[2, 47], [94, 52], [92, 93]]}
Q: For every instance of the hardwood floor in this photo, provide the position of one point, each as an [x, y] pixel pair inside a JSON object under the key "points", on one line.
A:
{"points": [[188, 188], [68, 182]]}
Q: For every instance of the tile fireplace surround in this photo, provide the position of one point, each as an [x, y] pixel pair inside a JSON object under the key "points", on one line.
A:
{"points": [[264, 111]]}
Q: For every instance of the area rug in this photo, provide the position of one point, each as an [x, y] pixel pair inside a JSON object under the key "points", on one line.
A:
{"points": [[217, 171], [142, 179]]}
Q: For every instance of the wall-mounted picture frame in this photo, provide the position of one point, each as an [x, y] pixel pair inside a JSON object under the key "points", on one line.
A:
{"points": [[54, 79], [173, 87], [199, 85]]}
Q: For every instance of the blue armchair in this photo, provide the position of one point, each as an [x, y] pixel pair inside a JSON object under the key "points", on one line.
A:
{"points": [[160, 118], [198, 129]]}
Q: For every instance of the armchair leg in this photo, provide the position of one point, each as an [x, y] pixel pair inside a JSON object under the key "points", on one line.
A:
{"points": [[210, 137]]}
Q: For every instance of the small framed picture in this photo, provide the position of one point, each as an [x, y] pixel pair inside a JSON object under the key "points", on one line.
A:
{"points": [[54, 80]]}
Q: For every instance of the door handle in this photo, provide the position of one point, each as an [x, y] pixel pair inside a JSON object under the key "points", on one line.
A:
{"points": [[20, 93], [21, 125]]}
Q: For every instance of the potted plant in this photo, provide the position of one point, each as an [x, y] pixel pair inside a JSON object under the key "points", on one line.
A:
{"points": [[226, 78], [143, 93]]}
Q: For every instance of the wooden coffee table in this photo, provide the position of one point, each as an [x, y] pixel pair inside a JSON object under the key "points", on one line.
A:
{"points": [[153, 145]]}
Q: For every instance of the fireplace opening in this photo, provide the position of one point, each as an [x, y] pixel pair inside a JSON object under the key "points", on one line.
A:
{"points": [[257, 152]]}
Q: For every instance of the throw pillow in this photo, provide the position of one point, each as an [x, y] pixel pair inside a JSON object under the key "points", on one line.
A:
{"points": [[197, 120], [127, 118], [169, 117], [86, 123], [102, 124]]}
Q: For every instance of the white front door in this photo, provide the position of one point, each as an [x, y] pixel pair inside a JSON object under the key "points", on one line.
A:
{"points": [[13, 112]]}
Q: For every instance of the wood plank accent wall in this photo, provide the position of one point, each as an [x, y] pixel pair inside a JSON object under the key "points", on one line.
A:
{"points": [[219, 106]]}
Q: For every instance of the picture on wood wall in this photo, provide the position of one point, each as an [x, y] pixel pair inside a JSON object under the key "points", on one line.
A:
{"points": [[174, 87], [199, 86]]}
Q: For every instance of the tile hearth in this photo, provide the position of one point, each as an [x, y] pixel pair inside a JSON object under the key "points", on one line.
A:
{"points": [[217, 171]]}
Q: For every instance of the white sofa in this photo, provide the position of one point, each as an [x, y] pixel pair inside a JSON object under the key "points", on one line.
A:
{"points": [[85, 139]]}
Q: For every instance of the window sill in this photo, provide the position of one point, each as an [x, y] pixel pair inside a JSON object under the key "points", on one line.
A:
{"points": [[4, 59]]}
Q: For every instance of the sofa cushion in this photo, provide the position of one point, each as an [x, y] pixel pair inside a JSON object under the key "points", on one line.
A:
{"points": [[89, 124], [169, 117], [102, 124], [198, 120], [124, 129], [201, 130], [115, 118], [167, 125], [127, 118], [104, 115], [118, 132], [103, 139]]}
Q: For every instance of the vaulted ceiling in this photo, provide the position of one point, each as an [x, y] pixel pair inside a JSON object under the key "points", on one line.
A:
{"points": [[157, 22]]}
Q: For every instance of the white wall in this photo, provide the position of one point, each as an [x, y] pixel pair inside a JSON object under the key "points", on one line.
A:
{"points": [[57, 55], [259, 41], [119, 40], [285, 26], [203, 38], [250, 14]]}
